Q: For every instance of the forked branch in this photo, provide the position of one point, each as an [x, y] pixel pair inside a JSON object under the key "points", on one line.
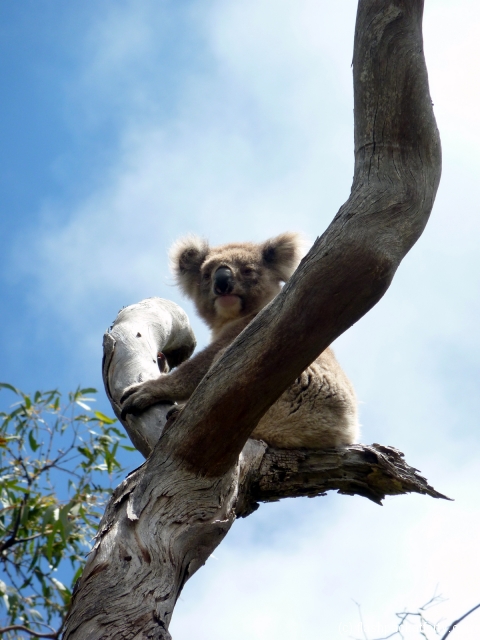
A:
{"points": [[349, 268], [166, 518]]}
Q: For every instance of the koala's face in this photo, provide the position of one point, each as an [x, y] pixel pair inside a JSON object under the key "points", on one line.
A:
{"points": [[233, 280]]}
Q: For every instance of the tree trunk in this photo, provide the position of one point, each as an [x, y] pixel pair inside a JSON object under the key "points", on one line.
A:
{"points": [[168, 516]]}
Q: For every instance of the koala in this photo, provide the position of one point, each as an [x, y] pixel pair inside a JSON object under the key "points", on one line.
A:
{"points": [[229, 285]]}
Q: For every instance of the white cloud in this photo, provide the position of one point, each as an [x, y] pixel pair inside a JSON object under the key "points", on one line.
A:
{"points": [[451, 44]]}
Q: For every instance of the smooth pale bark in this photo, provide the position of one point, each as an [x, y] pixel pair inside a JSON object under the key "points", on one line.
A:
{"points": [[130, 355], [168, 516]]}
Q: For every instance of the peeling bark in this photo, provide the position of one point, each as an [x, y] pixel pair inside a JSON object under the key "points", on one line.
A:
{"points": [[164, 521], [168, 516]]}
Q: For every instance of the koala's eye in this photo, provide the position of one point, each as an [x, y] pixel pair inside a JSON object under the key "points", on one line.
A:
{"points": [[248, 271], [206, 276]]}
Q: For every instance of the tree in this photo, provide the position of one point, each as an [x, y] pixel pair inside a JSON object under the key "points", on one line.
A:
{"points": [[57, 462], [166, 518]]}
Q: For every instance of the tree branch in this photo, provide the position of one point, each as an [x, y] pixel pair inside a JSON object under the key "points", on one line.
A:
{"points": [[167, 517], [455, 623], [349, 268], [164, 521], [372, 471], [130, 354], [34, 634]]}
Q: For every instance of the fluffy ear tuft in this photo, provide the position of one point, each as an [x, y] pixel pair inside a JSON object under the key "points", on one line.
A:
{"points": [[282, 254], [186, 258]]}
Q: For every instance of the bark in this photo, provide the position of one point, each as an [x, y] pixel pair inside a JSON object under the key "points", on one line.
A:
{"points": [[168, 516], [164, 521], [372, 471], [130, 354], [349, 268]]}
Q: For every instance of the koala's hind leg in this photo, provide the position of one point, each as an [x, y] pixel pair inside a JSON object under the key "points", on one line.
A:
{"points": [[318, 411]]}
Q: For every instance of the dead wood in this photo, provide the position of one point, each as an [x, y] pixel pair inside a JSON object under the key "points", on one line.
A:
{"points": [[372, 471], [131, 348]]}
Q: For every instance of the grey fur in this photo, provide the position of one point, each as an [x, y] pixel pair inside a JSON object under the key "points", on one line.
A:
{"points": [[319, 410]]}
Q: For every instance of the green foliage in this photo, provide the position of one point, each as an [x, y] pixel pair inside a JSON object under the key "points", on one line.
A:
{"points": [[57, 465]]}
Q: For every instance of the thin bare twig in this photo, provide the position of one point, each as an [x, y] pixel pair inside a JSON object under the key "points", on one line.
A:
{"points": [[404, 617], [455, 622], [10, 543], [19, 627], [359, 607]]}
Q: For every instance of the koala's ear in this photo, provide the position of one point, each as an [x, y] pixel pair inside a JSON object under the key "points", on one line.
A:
{"points": [[186, 258], [282, 254]]}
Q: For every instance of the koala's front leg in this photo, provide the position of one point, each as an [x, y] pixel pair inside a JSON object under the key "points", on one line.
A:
{"points": [[176, 386]]}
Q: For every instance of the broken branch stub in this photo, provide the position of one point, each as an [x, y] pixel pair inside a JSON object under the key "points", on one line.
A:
{"points": [[131, 348], [372, 471]]}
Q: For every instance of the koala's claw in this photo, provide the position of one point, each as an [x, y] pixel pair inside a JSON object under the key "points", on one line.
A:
{"points": [[135, 400], [127, 393]]}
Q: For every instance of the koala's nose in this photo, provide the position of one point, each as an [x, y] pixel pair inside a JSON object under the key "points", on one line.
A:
{"points": [[223, 281]]}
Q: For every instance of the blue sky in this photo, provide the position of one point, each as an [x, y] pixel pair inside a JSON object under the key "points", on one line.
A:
{"points": [[127, 124]]}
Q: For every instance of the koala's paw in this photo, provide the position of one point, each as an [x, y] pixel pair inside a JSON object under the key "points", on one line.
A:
{"points": [[139, 397]]}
